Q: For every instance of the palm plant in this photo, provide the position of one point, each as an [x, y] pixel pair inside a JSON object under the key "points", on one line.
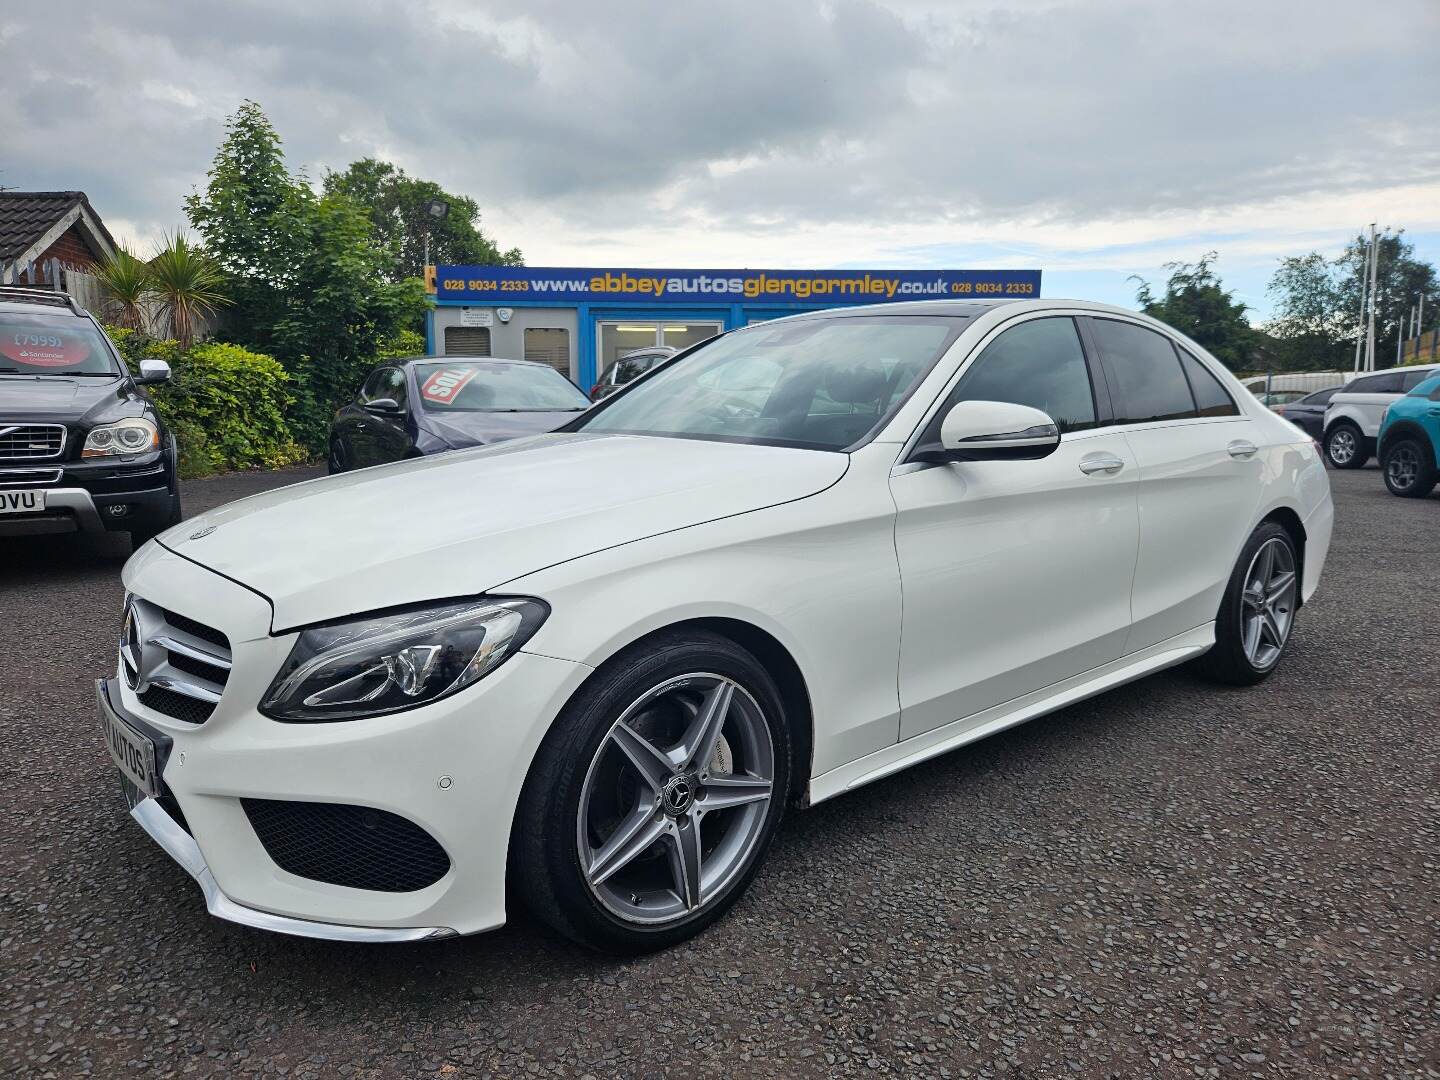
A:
{"points": [[127, 284], [189, 286]]}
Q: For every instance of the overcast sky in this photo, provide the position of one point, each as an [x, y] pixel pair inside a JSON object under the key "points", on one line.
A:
{"points": [[1093, 140]]}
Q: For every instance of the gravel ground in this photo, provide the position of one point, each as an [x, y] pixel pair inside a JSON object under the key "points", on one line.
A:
{"points": [[1170, 880]]}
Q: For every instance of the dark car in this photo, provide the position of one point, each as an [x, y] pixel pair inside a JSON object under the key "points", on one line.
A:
{"points": [[1308, 413], [82, 448], [429, 404], [629, 368]]}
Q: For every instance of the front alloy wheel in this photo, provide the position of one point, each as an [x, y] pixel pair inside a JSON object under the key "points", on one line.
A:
{"points": [[1345, 448], [1409, 468], [675, 799], [655, 795]]}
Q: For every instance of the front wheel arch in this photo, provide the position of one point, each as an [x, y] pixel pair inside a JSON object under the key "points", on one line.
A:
{"points": [[1290, 521]]}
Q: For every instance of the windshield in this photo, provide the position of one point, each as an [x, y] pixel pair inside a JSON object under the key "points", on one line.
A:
{"points": [[816, 383], [481, 387], [52, 345]]}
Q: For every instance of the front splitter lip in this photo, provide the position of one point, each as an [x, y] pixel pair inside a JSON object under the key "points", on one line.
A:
{"points": [[181, 847]]}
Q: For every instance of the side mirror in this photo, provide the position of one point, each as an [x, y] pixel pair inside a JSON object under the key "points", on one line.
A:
{"points": [[384, 406], [153, 372], [994, 431]]}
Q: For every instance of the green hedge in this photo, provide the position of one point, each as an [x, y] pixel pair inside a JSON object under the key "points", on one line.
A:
{"points": [[226, 405]]}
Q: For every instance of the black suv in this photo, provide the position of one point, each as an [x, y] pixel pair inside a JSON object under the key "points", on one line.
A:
{"points": [[81, 446]]}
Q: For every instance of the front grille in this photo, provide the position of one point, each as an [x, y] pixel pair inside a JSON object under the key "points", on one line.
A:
{"points": [[176, 665], [29, 477], [188, 710], [356, 846], [31, 441]]}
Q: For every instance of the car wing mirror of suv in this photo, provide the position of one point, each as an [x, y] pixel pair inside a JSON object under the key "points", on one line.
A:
{"points": [[384, 407], [153, 371]]}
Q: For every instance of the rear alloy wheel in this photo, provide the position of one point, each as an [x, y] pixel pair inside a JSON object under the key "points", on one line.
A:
{"points": [[670, 777], [1409, 467], [1345, 447], [1257, 611]]}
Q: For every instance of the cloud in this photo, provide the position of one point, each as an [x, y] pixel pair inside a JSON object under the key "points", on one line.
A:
{"points": [[764, 132]]}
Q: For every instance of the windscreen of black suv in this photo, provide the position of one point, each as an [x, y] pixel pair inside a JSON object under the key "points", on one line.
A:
{"points": [[52, 345]]}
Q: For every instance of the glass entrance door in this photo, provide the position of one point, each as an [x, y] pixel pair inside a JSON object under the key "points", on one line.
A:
{"points": [[622, 337]]}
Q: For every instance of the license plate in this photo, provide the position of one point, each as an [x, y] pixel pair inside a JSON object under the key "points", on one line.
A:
{"points": [[134, 754], [22, 502]]}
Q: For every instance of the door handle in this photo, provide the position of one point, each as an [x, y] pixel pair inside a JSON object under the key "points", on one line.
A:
{"points": [[1108, 464], [361, 427], [1240, 449]]}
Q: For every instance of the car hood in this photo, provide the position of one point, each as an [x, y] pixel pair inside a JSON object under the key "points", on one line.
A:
{"points": [[57, 399], [463, 523], [461, 429]]}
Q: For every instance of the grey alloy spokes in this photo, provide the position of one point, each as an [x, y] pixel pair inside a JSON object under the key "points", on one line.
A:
{"points": [[1268, 603], [676, 798]]}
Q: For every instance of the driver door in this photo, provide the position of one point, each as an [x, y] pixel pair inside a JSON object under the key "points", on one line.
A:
{"points": [[1015, 574]]}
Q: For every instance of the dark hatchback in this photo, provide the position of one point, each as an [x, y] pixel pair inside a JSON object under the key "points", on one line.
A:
{"points": [[82, 448], [1308, 413], [427, 405]]}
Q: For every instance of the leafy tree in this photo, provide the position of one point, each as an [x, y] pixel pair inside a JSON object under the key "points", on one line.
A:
{"points": [[1308, 326], [309, 275], [189, 286], [254, 217], [127, 285], [399, 209], [1196, 304], [1317, 302]]}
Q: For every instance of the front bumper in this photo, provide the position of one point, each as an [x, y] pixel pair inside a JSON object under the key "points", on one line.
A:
{"points": [[69, 510], [454, 768]]}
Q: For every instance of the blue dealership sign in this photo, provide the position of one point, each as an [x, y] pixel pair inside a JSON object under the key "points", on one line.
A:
{"points": [[589, 285]]}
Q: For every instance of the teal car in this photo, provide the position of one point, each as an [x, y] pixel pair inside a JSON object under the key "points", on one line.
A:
{"points": [[1410, 441]]}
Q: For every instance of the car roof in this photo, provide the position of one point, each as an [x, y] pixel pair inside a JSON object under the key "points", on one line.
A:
{"points": [[409, 360]]}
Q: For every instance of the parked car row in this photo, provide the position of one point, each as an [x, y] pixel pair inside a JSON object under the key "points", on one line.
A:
{"points": [[1393, 414]]}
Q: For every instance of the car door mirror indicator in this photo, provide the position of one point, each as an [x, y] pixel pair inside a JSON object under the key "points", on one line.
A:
{"points": [[993, 431]]}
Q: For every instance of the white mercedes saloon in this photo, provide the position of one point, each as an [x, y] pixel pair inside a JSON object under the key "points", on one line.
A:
{"points": [[589, 670]]}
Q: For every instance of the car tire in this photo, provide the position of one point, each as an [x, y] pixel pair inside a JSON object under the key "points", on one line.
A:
{"points": [[1345, 446], [1409, 467], [1248, 647], [335, 461], [585, 794]]}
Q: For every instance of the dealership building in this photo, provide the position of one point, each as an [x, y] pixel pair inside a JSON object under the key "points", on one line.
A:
{"points": [[582, 319]]}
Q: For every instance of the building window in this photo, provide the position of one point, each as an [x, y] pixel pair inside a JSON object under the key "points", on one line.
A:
{"points": [[549, 345], [467, 341]]}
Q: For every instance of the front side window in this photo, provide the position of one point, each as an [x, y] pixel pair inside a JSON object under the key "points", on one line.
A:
{"points": [[373, 386], [1211, 398], [1149, 384], [52, 345], [1039, 363], [482, 387], [818, 383], [392, 386]]}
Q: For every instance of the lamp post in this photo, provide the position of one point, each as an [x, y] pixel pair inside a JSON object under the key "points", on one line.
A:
{"points": [[435, 211]]}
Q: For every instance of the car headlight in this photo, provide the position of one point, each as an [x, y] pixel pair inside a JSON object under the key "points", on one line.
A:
{"points": [[399, 659], [134, 436]]}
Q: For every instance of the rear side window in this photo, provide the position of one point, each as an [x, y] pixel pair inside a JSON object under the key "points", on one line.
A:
{"points": [[1388, 383], [1211, 398], [1413, 379], [1322, 398], [1147, 381]]}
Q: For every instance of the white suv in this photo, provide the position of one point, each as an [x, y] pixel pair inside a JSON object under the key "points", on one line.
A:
{"points": [[1352, 422]]}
